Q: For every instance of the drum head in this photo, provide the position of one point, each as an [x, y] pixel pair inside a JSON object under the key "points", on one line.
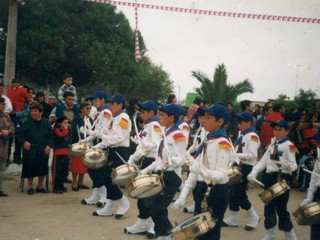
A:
{"points": [[309, 214], [78, 149], [95, 158], [145, 186]]}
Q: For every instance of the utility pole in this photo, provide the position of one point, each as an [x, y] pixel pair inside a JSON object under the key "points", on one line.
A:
{"points": [[10, 60]]}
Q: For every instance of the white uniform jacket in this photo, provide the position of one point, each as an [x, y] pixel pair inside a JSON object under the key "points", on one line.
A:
{"points": [[249, 144]]}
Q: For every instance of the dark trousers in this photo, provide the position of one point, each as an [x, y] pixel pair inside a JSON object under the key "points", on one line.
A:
{"points": [[238, 192], [218, 201], [276, 206], [198, 195], [114, 192], [17, 155], [59, 164], [144, 205], [98, 176], [315, 228], [160, 203]]}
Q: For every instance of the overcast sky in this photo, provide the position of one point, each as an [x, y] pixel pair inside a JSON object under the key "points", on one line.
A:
{"points": [[277, 57]]}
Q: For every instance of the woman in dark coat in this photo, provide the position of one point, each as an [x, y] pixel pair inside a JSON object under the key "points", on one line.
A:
{"points": [[37, 138]]}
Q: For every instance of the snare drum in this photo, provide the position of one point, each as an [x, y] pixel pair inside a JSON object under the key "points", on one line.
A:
{"points": [[274, 191], [234, 174], [78, 149], [95, 158], [124, 173], [193, 227], [145, 186], [308, 214]]}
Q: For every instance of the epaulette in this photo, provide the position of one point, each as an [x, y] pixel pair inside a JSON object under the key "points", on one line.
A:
{"points": [[156, 128], [225, 145], [124, 123], [293, 148], [255, 138], [106, 114], [179, 137]]}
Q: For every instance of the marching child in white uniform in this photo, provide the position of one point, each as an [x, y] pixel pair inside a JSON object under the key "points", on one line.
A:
{"points": [[171, 156], [211, 164], [279, 162], [247, 151], [313, 194], [146, 152]]}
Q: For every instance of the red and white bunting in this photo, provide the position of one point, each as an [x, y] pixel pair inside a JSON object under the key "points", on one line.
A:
{"points": [[137, 53], [215, 13]]}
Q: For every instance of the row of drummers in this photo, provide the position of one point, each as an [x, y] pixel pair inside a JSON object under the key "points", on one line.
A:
{"points": [[212, 161]]}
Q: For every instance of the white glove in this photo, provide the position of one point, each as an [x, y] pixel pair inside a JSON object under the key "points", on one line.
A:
{"points": [[206, 173], [93, 133], [179, 203], [190, 151], [134, 139], [140, 151], [147, 144], [194, 167], [143, 172], [251, 176], [308, 199], [82, 130], [130, 160]]}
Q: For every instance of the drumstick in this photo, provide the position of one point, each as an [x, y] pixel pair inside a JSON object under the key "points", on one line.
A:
{"points": [[257, 181], [135, 126], [234, 152], [121, 158], [308, 171], [79, 136]]}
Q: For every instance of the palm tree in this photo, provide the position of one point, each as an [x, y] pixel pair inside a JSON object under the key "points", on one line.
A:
{"points": [[217, 90]]}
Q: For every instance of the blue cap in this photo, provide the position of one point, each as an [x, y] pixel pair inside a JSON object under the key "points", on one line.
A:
{"points": [[316, 135], [149, 105], [219, 111], [281, 123], [118, 98], [171, 109], [101, 95], [245, 116]]}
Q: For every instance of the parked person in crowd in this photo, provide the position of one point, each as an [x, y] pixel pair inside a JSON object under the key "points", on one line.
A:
{"points": [[310, 130], [30, 91], [256, 111], [76, 166], [40, 97], [20, 100], [172, 98], [8, 105], [37, 138], [267, 111], [266, 132], [7, 130], [231, 127], [94, 110], [197, 102], [206, 104], [60, 154], [67, 87], [306, 162]]}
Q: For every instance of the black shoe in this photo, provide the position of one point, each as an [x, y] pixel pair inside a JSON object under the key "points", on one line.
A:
{"points": [[30, 191], [100, 204], [64, 189], [2, 194], [150, 235], [67, 181], [76, 189], [83, 186], [58, 191], [42, 190]]}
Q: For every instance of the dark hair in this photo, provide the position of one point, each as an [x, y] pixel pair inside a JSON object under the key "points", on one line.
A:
{"points": [[37, 106], [68, 94], [170, 98], [277, 107], [67, 76], [59, 121], [229, 103], [84, 104], [40, 94], [198, 100], [244, 104], [15, 80], [1, 84]]}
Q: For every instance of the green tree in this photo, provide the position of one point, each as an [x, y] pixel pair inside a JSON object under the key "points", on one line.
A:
{"points": [[217, 89], [91, 41], [307, 99]]}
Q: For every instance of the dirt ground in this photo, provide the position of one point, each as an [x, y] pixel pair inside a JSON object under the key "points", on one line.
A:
{"points": [[62, 217]]}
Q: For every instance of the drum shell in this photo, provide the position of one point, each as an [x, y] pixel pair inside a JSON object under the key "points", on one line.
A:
{"points": [[145, 186], [235, 175], [308, 214], [124, 173], [78, 149], [193, 227], [95, 158], [273, 191]]}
